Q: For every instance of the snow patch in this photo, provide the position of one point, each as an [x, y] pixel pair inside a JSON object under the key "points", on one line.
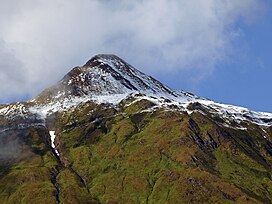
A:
{"points": [[14, 110], [44, 110], [53, 137]]}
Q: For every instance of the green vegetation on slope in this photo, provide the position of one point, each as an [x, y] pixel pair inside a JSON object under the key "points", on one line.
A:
{"points": [[129, 155]]}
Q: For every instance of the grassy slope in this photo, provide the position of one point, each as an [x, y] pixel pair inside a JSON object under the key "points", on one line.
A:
{"points": [[142, 157]]}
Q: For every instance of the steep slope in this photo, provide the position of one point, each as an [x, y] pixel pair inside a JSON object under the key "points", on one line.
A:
{"points": [[107, 133], [103, 75]]}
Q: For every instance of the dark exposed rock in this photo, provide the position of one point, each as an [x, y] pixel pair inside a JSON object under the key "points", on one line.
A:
{"points": [[268, 148], [227, 196], [209, 141]]}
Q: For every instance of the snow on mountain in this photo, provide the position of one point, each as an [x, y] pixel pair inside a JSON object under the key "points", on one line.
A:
{"points": [[109, 79], [102, 75], [237, 113], [52, 138]]}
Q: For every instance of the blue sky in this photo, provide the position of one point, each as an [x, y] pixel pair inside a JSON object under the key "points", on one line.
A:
{"points": [[216, 49], [246, 78]]}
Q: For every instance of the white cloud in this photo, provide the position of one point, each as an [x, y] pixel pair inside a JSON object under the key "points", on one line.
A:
{"points": [[41, 39]]}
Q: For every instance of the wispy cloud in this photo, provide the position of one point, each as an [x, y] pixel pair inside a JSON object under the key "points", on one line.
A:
{"points": [[41, 39]]}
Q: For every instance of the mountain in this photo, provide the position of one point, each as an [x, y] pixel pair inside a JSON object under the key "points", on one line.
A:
{"points": [[108, 133], [103, 75]]}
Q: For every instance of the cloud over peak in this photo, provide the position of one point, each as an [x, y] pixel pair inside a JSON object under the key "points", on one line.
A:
{"points": [[40, 40]]}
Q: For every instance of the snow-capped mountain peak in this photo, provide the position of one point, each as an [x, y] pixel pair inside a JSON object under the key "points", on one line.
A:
{"points": [[109, 79], [103, 75]]}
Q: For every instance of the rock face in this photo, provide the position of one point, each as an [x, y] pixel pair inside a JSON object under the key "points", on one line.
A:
{"points": [[103, 75], [107, 133]]}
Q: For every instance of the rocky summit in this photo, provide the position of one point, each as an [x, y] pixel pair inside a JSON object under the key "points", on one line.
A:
{"points": [[108, 133]]}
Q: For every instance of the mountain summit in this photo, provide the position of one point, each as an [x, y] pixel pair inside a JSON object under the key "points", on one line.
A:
{"points": [[108, 133], [109, 79], [103, 75]]}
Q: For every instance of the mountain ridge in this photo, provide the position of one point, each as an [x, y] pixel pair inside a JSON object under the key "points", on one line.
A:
{"points": [[106, 78]]}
